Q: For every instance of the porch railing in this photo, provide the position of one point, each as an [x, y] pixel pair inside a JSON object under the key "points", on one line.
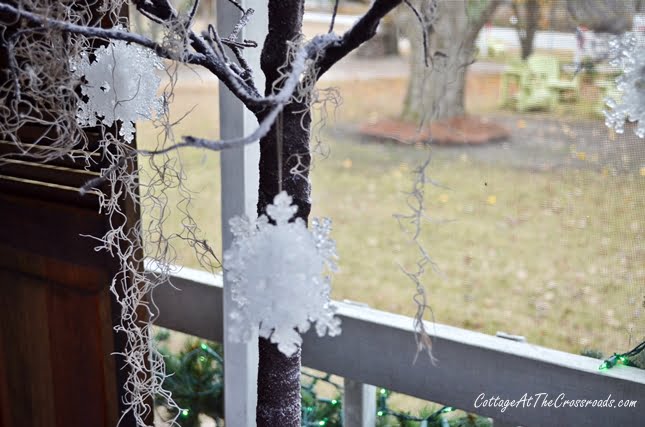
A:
{"points": [[378, 348]]}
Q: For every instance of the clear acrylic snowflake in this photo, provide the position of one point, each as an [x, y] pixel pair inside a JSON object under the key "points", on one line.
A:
{"points": [[280, 276], [628, 53], [120, 84]]}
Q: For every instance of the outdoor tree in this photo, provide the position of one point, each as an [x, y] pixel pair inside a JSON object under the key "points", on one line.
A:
{"points": [[67, 74], [437, 82], [527, 13], [603, 16]]}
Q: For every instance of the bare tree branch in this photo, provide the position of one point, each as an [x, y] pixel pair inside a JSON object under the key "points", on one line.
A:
{"points": [[235, 46], [363, 30], [158, 12], [236, 4], [244, 89], [112, 34], [278, 101], [424, 31], [246, 16], [192, 13], [333, 16], [161, 9], [329, 47]]}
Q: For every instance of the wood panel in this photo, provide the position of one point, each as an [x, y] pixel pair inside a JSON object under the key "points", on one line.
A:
{"points": [[26, 382], [57, 314], [57, 365]]}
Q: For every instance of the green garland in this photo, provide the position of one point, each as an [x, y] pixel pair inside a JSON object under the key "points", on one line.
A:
{"points": [[317, 410], [195, 379]]}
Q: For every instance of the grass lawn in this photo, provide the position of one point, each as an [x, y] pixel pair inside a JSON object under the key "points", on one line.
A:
{"points": [[555, 256]]}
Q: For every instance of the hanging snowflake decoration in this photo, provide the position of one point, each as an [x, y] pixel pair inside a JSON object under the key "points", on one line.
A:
{"points": [[280, 276], [628, 54], [120, 83]]}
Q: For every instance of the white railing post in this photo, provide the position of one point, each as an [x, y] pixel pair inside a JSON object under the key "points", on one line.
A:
{"points": [[359, 404], [240, 177]]}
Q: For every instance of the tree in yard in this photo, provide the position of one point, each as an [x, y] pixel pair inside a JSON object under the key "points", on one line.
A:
{"points": [[527, 13], [604, 16], [282, 108], [437, 82]]}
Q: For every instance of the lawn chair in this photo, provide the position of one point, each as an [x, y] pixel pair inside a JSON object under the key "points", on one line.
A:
{"points": [[541, 86], [535, 93], [513, 72], [549, 67]]}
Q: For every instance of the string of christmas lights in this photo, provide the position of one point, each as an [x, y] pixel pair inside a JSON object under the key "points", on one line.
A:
{"points": [[384, 410], [196, 382], [622, 358]]}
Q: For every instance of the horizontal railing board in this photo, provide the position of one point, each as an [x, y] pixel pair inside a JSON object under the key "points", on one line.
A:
{"points": [[192, 305], [378, 348]]}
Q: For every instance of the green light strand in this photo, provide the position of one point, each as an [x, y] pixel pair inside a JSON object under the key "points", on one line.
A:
{"points": [[197, 381], [384, 410], [621, 358]]}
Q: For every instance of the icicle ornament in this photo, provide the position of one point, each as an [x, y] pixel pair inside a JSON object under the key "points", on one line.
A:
{"points": [[280, 276], [120, 84], [628, 53]]}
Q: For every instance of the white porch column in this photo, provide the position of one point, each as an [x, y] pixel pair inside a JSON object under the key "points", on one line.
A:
{"points": [[240, 176], [359, 404]]}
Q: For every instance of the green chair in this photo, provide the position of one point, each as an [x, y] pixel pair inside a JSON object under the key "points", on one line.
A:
{"points": [[539, 82], [534, 93], [549, 68], [513, 73]]}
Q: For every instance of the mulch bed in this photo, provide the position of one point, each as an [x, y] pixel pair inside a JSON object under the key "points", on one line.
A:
{"points": [[467, 130]]}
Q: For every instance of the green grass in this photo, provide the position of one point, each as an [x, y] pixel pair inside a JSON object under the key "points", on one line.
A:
{"points": [[548, 255], [520, 252]]}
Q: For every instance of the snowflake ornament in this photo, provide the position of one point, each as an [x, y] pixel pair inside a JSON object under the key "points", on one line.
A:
{"points": [[120, 84], [628, 53], [280, 276]]}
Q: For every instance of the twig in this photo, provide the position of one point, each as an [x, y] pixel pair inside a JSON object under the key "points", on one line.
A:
{"points": [[236, 4], [363, 30], [278, 101], [424, 31], [246, 16], [333, 16], [192, 13]]}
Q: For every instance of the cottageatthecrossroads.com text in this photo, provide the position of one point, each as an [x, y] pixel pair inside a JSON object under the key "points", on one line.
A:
{"points": [[543, 400]]}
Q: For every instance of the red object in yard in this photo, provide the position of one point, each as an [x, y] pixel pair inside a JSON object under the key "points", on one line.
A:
{"points": [[469, 130]]}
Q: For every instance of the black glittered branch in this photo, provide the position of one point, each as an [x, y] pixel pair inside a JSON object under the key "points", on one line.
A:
{"points": [[363, 30]]}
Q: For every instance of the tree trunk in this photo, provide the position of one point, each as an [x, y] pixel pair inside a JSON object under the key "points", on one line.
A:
{"points": [[283, 150], [279, 375], [438, 91], [385, 43], [527, 24], [603, 16]]}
